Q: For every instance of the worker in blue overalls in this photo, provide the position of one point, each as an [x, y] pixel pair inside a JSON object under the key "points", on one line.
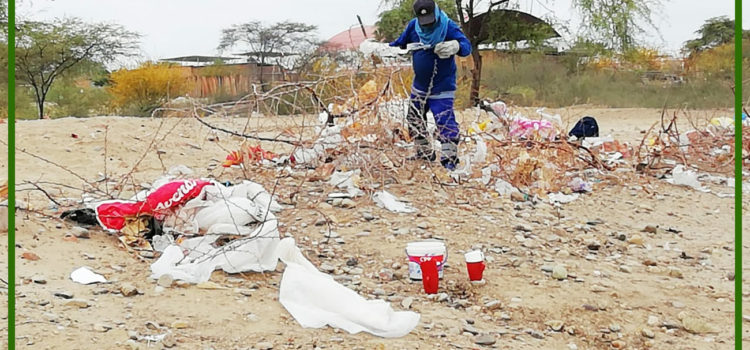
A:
{"points": [[434, 84]]}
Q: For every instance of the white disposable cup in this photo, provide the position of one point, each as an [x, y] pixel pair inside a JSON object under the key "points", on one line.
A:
{"points": [[474, 256]]}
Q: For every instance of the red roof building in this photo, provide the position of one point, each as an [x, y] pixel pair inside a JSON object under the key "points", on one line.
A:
{"points": [[349, 39]]}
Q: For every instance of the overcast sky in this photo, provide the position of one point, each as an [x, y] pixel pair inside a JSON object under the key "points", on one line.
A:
{"points": [[193, 27]]}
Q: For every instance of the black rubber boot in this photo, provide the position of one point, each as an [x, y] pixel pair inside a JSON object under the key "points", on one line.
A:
{"points": [[423, 151], [449, 154]]}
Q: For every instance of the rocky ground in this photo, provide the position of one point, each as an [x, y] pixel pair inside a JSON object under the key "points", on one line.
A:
{"points": [[639, 264]]}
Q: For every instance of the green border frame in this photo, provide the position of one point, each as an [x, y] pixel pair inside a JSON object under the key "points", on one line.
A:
{"points": [[738, 175], [738, 110], [11, 174]]}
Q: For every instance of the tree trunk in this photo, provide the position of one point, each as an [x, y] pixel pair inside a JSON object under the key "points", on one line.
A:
{"points": [[40, 105], [476, 75]]}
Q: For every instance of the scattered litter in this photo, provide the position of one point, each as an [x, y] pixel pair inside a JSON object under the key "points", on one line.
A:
{"points": [[562, 198], [504, 188], [84, 275], [579, 185], [387, 201], [683, 177]]}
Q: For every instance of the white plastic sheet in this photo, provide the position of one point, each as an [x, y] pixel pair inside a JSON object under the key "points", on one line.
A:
{"points": [[347, 181], [686, 177], [386, 200], [562, 198], [84, 275], [315, 300], [504, 188], [195, 259]]}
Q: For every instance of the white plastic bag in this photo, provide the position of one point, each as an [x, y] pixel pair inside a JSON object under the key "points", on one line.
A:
{"points": [[386, 200], [315, 300]]}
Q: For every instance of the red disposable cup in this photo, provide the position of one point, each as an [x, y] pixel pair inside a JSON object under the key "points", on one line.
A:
{"points": [[475, 270], [430, 279], [475, 265]]}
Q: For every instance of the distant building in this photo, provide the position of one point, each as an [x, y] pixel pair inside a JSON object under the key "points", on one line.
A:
{"points": [[349, 39], [234, 76]]}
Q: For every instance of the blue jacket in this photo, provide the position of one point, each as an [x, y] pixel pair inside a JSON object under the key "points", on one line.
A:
{"points": [[423, 61]]}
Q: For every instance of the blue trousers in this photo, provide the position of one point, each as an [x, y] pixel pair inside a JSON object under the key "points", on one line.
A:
{"points": [[445, 118]]}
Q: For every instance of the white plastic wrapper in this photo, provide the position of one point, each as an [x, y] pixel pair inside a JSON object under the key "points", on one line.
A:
{"points": [[685, 177], [84, 275], [562, 198], [387, 201]]}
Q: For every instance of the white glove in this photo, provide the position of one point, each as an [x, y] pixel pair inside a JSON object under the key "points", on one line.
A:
{"points": [[446, 49]]}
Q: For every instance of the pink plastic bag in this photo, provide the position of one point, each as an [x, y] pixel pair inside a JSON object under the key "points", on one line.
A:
{"points": [[533, 129]]}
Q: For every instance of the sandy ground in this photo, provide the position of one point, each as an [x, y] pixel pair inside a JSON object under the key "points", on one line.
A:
{"points": [[606, 302]]}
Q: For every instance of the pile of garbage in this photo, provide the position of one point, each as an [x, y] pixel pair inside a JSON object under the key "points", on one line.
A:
{"points": [[199, 226]]}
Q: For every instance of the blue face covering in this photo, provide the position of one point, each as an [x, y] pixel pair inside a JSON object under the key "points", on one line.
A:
{"points": [[436, 33]]}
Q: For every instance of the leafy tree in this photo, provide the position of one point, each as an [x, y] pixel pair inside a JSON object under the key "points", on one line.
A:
{"points": [[270, 43], [617, 23], [148, 87], [46, 50], [715, 32]]}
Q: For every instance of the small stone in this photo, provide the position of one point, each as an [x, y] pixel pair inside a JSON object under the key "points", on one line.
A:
{"points": [[614, 327], [559, 272], [64, 294], [535, 334], [647, 333], [678, 305], [636, 239], [593, 245], [484, 339], [100, 327], [39, 279], [517, 197], [674, 272], [180, 324], [81, 232], [328, 268], [133, 335], [470, 329], [347, 203], [128, 290], [368, 216], [356, 271], [29, 256], [652, 321], [265, 345], [598, 289], [165, 281], [626, 269], [650, 229], [493, 305], [442, 297], [245, 292], [406, 303], [78, 303], [730, 276], [555, 325], [168, 341], [618, 344]]}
